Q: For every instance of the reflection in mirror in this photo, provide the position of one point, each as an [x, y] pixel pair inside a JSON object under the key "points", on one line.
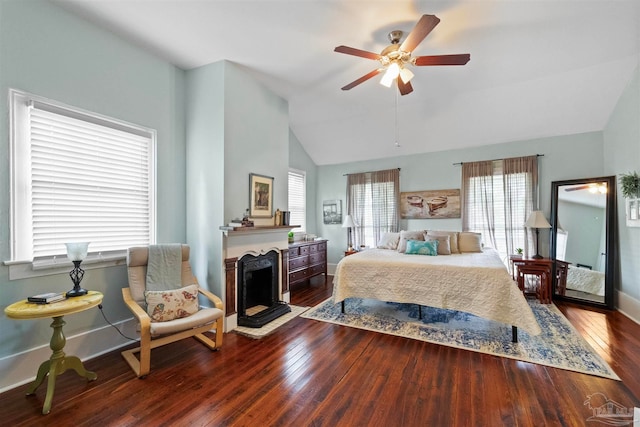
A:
{"points": [[581, 242]]}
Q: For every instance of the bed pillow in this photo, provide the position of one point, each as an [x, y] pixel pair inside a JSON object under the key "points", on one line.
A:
{"points": [[174, 304], [444, 245], [421, 247], [470, 242], [409, 235], [453, 238], [389, 241]]}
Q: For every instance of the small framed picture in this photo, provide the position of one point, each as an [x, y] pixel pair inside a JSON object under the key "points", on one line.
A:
{"points": [[332, 211], [260, 196]]}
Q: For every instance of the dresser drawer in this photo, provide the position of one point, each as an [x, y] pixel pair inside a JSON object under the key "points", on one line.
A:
{"points": [[297, 276], [316, 269], [294, 252], [316, 257], [304, 250], [297, 263]]}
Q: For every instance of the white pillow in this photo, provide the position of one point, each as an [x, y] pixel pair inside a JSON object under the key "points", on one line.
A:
{"points": [[453, 238], [470, 242], [444, 245], [409, 235], [389, 241]]}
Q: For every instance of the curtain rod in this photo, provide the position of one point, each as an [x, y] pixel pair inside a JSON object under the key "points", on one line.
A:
{"points": [[347, 174], [537, 155]]}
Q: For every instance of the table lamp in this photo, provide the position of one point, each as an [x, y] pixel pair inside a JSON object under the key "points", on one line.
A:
{"points": [[76, 252], [537, 220], [348, 223]]}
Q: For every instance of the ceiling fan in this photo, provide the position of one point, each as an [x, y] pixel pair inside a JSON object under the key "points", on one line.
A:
{"points": [[396, 57], [598, 187]]}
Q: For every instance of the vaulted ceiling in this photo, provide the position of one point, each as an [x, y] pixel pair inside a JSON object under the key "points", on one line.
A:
{"points": [[538, 68]]}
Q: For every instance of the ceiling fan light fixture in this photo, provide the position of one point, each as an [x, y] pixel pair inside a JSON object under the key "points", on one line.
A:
{"points": [[392, 72], [406, 75]]}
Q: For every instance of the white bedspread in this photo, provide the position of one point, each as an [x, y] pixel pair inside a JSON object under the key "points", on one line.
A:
{"points": [[585, 280], [476, 283]]}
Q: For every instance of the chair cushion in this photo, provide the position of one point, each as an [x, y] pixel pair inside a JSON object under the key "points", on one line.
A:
{"points": [[137, 258], [202, 317], [169, 305]]}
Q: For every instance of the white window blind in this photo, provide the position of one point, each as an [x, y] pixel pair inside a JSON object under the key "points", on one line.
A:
{"points": [[87, 178], [297, 199]]}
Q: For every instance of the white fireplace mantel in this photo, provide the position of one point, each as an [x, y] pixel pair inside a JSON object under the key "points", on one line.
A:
{"points": [[254, 241]]}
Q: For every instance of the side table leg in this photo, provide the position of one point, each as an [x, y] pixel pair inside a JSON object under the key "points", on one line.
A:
{"points": [[57, 364]]}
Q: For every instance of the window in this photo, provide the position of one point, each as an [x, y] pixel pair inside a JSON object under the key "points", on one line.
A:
{"points": [[77, 176], [297, 199], [498, 197], [372, 202]]}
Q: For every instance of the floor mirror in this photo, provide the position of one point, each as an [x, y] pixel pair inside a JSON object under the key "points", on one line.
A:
{"points": [[583, 240]]}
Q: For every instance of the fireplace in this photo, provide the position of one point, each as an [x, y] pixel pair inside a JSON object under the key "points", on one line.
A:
{"points": [[259, 289]]}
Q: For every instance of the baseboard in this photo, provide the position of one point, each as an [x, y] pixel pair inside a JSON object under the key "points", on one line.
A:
{"points": [[331, 269], [20, 368], [628, 306]]}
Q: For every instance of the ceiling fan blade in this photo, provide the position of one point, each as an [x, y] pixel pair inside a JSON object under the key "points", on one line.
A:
{"points": [[356, 52], [404, 88], [579, 187], [419, 32], [362, 79], [459, 59]]}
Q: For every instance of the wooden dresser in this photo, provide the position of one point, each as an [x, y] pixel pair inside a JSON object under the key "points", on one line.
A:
{"points": [[307, 259]]}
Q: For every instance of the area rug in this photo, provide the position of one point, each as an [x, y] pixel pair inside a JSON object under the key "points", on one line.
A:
{"points": [[265, 330], [559, 345]]}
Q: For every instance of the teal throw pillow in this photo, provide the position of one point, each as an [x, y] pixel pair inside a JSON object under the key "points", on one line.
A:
{"points": [[419, 247]]}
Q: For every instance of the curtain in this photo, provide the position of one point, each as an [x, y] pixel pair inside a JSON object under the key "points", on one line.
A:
{"points": [[478, 206], [372, 202], [498, 197], [521, 198]]}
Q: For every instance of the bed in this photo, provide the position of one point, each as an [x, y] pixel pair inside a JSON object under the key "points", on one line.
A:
{"points": [[476, 283], [585, 280]]}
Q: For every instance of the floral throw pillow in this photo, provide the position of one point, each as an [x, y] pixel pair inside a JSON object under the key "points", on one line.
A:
{"points": [[174, 304], [420, 247]]}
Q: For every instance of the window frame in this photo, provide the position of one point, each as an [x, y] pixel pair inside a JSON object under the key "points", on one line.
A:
{"points": [[20, 218], [303, 226]]}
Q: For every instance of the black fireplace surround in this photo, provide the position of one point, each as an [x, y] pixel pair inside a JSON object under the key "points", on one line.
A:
{"points": [[259, 285]]}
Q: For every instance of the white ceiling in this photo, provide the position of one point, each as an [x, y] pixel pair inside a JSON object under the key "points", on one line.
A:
{"points": [[538, 68]]}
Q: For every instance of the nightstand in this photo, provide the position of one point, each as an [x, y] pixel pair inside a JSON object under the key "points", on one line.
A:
{"points": [[348, 252], [542, 268]]}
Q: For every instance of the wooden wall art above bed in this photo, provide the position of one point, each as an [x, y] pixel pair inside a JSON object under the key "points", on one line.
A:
{"points": [[430, 204]]}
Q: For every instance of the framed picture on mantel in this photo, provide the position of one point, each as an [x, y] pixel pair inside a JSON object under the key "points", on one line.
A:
{"points": [[260, 196]]}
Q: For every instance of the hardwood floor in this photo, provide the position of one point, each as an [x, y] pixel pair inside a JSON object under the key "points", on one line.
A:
{"points": [[310, 373]]}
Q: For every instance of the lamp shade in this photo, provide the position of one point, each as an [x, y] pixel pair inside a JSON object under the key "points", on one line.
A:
{"points": [[537, 220], [77, 251], [348, 222]]}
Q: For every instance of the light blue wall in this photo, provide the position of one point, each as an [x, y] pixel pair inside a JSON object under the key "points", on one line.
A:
{"points": [[622, 155], [565, 157], [235, 127], [52, 53], [585, 227], [256, 141], [299, 159], [205, 171]]}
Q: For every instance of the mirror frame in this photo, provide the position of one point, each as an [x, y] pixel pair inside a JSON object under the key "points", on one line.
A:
{"points": [[610, 247]]}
